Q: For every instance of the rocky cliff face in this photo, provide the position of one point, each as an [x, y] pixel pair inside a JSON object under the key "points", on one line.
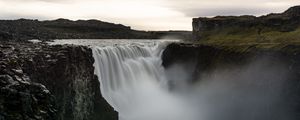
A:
{"points": [[201, 60], [205, 58], [204, 28], [60, 81], [20, 98]]}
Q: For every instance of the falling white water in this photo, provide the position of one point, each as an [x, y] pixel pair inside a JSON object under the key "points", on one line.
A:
{"points": [[135, 84], [133, 81]]}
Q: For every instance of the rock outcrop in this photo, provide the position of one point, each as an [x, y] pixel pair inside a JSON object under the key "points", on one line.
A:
{"points": [[55, 82], [20, 98], [200, 60], [208, 58], [246, 26]]}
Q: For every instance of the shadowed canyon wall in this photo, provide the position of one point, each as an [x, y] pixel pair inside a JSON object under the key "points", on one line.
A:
{"points": [[58, 82], [255, 83], [66, 72]]}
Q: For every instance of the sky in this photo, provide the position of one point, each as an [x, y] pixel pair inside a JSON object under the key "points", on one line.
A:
{"points": [[140, 14]]}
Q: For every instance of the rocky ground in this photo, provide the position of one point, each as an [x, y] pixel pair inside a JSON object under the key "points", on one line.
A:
{"points": [[20, 97], [42, 82]]}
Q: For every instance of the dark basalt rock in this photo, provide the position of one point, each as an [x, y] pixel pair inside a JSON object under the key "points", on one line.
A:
{"points": [[199, 58], [20, 98], [202, 59], [44, 82], [5, 36], [69, 73]]}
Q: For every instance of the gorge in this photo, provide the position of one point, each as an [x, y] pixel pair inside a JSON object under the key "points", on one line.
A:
{"points": [[146, 79], [150, 80], [136, 84]]}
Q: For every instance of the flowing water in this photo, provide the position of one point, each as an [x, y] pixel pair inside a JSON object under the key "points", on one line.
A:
{"points": [[134, 82]]}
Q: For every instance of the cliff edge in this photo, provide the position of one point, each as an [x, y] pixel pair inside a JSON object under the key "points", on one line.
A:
{"points": [[43, 82]]}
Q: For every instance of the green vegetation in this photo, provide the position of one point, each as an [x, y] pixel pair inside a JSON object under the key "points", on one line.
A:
{"points": [[276, 31], [252, 38]]}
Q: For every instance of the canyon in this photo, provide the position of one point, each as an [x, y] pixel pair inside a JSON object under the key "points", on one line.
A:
{"points": [[39, 81]]}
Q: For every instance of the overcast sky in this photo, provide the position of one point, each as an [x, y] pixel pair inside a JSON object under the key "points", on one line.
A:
{"points": [[139, 14]]}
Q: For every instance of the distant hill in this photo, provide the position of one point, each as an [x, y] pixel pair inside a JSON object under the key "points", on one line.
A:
{"points": [[273, 28], [25, 29]]}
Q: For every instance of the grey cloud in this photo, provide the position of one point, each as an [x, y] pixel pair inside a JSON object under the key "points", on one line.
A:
{"points": [[49, 1], [182, 9], [196, 8], [13, 16], [196, 12], [38, 0]]}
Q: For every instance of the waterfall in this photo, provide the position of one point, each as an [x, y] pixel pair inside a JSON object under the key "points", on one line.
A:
{"points": [[133, 82]]}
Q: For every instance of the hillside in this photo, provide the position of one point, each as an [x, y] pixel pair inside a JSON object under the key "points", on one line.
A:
{"points": [[267, 31], [24, 29]]}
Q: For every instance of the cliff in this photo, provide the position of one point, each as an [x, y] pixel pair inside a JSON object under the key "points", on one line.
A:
{"points": [[249, 73], [272, 28], [45, 82]]}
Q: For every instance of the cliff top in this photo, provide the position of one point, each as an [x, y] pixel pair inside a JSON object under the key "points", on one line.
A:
{"points": [[268, 31]]}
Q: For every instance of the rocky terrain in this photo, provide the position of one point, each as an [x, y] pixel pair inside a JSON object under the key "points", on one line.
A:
{"points": [[44, 82], [272, 28], [226, 42], [20, 98], [207, 57], [232, 40], [280, 68], [25, 29]]}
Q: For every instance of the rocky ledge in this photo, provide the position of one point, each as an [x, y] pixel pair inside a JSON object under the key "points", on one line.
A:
{"points": [[43, 82]]}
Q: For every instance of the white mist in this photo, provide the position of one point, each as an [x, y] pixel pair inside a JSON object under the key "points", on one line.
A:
{"points": [[134, 82]]}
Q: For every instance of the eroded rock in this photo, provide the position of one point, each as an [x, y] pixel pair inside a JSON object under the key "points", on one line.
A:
{"points": [[45, 82]]}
